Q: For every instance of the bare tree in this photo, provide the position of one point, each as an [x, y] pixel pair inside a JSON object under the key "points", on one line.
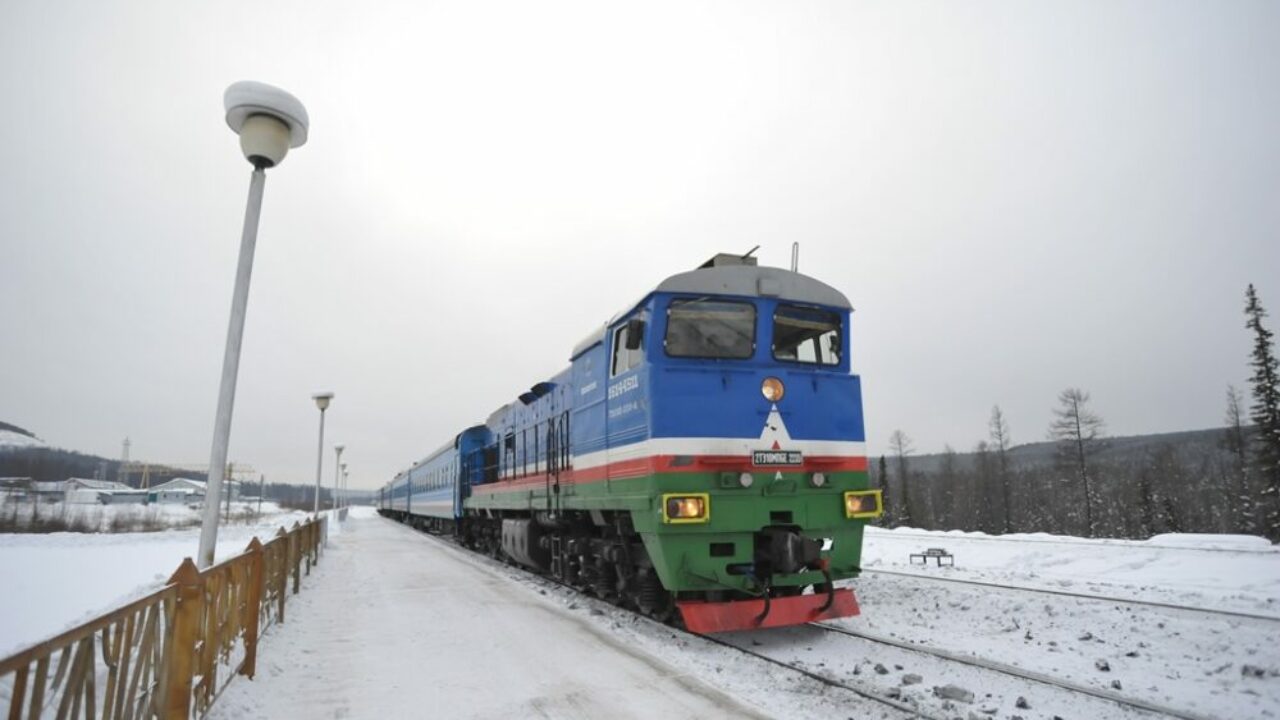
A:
{"points": [[1078, 432], [901, 446], [999, 431], [1238, 446], [883, 483], [1265, 411]]}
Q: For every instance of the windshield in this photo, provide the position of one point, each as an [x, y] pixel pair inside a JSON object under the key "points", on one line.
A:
{"points": [[710, 329], [806, 335]]}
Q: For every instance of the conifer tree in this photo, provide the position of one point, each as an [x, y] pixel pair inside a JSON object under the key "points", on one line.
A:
{"points": [[901, 445], [883, 483], [1265, 411], [999, 428], [1079, 434]]}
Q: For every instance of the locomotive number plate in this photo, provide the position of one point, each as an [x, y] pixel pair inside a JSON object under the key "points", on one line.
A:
{"points": [[777, 457]]}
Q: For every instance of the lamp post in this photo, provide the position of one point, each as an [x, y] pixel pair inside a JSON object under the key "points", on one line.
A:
{"points": [[322, 401], [269, 121], [342, 484], [337, 471]]}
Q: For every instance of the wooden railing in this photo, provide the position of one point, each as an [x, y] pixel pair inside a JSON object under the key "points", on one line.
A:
{"points": [[169, 654]]}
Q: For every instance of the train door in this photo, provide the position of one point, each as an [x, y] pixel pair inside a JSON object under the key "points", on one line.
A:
{"points": [[626, 423]]}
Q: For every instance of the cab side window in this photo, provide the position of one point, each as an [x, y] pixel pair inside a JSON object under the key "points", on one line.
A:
{"points": [[626, 359]]}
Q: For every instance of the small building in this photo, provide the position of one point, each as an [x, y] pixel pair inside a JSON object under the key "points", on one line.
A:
{"points": [[49, 490], [103, 492], [175, 496], [186, 490], [17, 488]]}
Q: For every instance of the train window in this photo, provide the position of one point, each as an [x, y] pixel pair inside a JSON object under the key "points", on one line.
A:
{"points": [[624, 359], [806, 335], [710, 329]]}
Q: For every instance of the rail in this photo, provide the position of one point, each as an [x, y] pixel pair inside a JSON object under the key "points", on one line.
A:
{"points": [[171, 653]]}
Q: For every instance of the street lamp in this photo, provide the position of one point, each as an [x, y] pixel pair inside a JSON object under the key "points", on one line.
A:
{"points": [[322, 401], [343, 485], [337, 471], [269, 121]]}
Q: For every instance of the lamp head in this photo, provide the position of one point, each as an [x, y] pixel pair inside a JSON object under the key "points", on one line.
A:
{"points": [[339, 448], [268, 120], [322, 400]]}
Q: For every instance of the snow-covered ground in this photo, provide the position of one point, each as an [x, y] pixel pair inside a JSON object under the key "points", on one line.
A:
{"points": [[395, 623], [1219, 572], [11, 439], [91, 517], [54, 581]]}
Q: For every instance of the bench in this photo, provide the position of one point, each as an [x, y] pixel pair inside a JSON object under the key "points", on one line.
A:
{"points": [[938, 555]]}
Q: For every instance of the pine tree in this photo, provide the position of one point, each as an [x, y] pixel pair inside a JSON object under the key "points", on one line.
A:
{"points": [[999, 429], [1265, 411], [1078, 432], [882, 482]]}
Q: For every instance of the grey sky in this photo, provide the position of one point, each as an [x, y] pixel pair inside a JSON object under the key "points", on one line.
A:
{"points": [[1017, 197]]}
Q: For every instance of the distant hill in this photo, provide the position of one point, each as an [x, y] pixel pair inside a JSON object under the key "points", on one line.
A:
{"points": [[1141, 485], [12, 436], [1035, 455]]}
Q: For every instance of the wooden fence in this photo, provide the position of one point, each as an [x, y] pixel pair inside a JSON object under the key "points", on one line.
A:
{"points": [[169, 654]]}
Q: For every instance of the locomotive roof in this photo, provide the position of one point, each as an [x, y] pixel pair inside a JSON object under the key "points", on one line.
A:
{"points": [[740, 280]]}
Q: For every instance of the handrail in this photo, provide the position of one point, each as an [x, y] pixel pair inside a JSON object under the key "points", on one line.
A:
{"points": [[168, 654]]}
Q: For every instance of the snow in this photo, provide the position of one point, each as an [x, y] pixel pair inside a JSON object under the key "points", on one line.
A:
{"points": [[1221, 572], [11, 439], [391, 623], [396, 623], [58, 580]]}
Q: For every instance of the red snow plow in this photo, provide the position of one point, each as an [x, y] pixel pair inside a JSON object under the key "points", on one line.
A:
{"points": [[701, 616]]}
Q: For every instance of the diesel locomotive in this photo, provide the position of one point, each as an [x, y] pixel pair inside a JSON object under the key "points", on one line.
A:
{"points": [[702, 458]]}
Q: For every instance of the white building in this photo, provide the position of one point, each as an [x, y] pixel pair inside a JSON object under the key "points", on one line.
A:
{"points": [[103, 492]]}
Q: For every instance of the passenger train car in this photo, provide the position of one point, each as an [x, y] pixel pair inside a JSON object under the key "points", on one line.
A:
{"points": [[703, 454]]}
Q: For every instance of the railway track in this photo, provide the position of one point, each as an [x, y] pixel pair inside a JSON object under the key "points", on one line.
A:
{"points": [[825, 680], [548, 583], [1036, 677], [870, 694], [1068, 593]]}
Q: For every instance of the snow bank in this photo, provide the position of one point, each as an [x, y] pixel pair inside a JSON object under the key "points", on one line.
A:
{"points": [[1229, 572], [11, 439], [55, 581]]}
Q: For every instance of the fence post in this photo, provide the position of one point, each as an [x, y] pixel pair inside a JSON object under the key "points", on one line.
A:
{"points": [[253, 605], [282, 570], [295, 558], [186, 625]]}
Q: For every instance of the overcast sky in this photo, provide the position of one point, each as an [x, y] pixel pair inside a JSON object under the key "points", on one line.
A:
{"points": [[1016, 197]]}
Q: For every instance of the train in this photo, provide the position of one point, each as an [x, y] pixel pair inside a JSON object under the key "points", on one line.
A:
{"points": [[701, 460]]}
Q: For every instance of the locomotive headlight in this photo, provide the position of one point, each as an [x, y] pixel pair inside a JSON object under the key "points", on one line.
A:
{"points": [[686, 508], [818, 479], [863, 504], [745, 479], [772, 389]]}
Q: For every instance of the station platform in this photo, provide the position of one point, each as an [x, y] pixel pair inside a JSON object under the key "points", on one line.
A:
{"points": [[396, 624]]}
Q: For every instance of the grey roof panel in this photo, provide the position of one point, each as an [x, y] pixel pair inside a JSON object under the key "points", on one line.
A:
{"points": [[752, 281], [742, 280]]}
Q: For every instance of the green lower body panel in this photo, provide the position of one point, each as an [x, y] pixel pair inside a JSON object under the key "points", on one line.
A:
{"points": [[729, 547]]}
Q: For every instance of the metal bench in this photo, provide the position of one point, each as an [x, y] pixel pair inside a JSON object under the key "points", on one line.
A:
{"points": [[938, 555]]}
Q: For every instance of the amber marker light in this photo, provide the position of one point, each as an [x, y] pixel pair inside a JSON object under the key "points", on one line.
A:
{"points": [[686, 508], [772, 389], [863, 504]]}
